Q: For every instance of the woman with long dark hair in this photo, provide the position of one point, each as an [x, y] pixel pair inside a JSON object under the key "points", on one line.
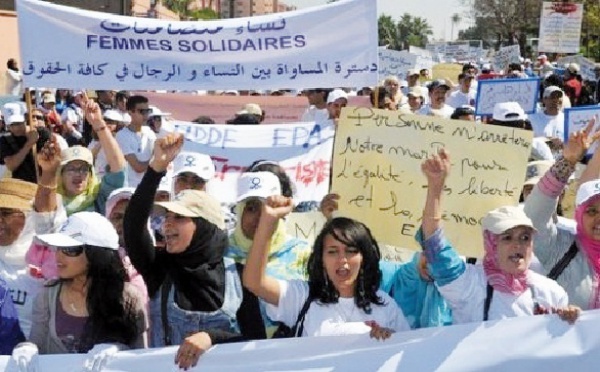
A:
{"points": [[92, 303], [342, 293]]}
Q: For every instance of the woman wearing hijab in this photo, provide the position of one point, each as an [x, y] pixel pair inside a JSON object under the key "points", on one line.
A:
{"points": [[571, 258], [199, 289], [81, 190], [503, 286]]}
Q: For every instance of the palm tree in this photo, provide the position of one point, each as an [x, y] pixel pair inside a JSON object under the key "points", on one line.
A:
{"points": [[455, 21], [387, 31]]}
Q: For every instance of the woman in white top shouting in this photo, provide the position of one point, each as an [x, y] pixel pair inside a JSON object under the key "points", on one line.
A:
{"points": [[342, 293]]}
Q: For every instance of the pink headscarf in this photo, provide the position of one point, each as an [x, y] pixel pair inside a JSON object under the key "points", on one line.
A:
{"points": [[498, 279], [590, 248]]}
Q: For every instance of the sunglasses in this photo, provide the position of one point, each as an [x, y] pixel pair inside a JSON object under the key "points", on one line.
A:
{"points": [[144, 111], [71, 251], [38, 117]]}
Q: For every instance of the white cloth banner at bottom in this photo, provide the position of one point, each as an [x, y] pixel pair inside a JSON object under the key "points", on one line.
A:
{"points": [[542, 343]]}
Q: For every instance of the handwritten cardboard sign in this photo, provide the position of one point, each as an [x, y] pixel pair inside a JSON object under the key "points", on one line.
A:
{"points": [[505, 56], [490, 92], [577, 118], [377, 172], [306, 225], [560, 27], [395, 63]]}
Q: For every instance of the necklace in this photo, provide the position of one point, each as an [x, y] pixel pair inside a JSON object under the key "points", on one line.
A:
{"points": [[71, 301]]}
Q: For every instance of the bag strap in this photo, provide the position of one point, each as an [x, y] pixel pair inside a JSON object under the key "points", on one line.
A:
{"points": [[299, 326], [488, 300], [562, 264], [164, 298]]}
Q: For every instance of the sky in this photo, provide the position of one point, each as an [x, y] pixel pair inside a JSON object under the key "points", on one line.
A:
{"points": [[436, 12]]}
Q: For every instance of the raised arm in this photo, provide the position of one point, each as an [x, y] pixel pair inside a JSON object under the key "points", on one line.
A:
{"points": [[138, 241], [436, 170], [114, 155], [592, 171], [254, 276], [48, 159]]}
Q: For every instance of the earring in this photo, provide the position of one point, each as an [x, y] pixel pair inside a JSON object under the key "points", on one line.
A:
{"points": [[361, 284]]}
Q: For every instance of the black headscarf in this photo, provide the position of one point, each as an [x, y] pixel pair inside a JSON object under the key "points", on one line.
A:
{"points": [[198, 273]]}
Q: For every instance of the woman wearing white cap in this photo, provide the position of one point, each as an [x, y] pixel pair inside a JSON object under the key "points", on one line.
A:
{"points": [[91, 308], [503, 286], [572, 258]]}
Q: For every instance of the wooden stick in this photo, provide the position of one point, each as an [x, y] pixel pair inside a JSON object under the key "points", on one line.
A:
{"points": [[30, 124]]}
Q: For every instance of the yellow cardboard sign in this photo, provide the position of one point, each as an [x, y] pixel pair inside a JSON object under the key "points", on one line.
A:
{"points": [[377, 172], [305, 225]]}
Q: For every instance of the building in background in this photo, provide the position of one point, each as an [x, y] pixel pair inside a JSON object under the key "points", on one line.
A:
{"points": [[249, 8]]}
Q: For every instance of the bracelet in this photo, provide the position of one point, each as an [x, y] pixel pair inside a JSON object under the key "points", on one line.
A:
{"points": [[48, 186], [99, 129]]}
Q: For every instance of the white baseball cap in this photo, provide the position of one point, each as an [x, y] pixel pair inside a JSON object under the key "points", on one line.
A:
{"points": [[336, 94], [508, 111], [587, 191], [84, 228], [199, 164], [113, 115], [155, 111], [501, 219], [257, 185], [76, 153], [13, 112]]}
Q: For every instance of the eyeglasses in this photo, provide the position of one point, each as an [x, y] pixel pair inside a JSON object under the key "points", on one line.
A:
{"points": [[6, 213], [190, 180], [38, 117], [74, 171], [144, 111], [71, 251]]}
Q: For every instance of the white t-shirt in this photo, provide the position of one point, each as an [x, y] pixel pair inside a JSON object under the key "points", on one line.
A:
{"points": [[458, 99], [342, 318], [466, 297], [140, 144], [314, 114], [445, 112], [548, 125]]}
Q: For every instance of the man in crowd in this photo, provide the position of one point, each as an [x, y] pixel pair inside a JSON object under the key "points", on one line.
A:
{"points": [[317, 109], [15, 148], [437, 98], [465, 95], [136, 140]]}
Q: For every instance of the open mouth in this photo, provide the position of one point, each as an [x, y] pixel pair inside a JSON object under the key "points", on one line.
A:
{"points": [[516, 258], [343, 273]]}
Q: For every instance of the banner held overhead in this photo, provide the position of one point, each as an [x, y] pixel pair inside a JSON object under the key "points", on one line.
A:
{"points": [[334, 45]]}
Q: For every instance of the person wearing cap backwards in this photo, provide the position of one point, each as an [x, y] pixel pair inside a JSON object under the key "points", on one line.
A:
{"points": [[76, 179], [91, 308], [437, 100], [572, 258], [15, 148], [503, 286], [199, 289]]}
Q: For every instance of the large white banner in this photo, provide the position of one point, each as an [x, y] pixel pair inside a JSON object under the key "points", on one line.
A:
{"points": [[395, 63], [303, 149], [333, 45], [523, 344], [560, 27]]}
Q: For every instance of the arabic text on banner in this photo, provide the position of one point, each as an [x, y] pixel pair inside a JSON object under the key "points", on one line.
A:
{"points": [[332, 45], [377, 172], [523, 91]]}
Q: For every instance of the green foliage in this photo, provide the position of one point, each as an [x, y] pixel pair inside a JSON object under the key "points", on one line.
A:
{"points": [[407, 31]]}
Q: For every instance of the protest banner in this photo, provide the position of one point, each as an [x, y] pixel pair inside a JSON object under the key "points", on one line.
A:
{"points": [[490, 92], [587, 68], [302, 149], [377, 172], [560, 27], [577, 118], [395, 63], [447, 71], [505, 56], [527, 343], [278, 109], [328, 46], [305, 225], [424, 57]]}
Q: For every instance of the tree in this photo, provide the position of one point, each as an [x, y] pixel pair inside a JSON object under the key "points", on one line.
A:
{"points": [[388, 32], [456, 18], [181, 7], [413, 31]]}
